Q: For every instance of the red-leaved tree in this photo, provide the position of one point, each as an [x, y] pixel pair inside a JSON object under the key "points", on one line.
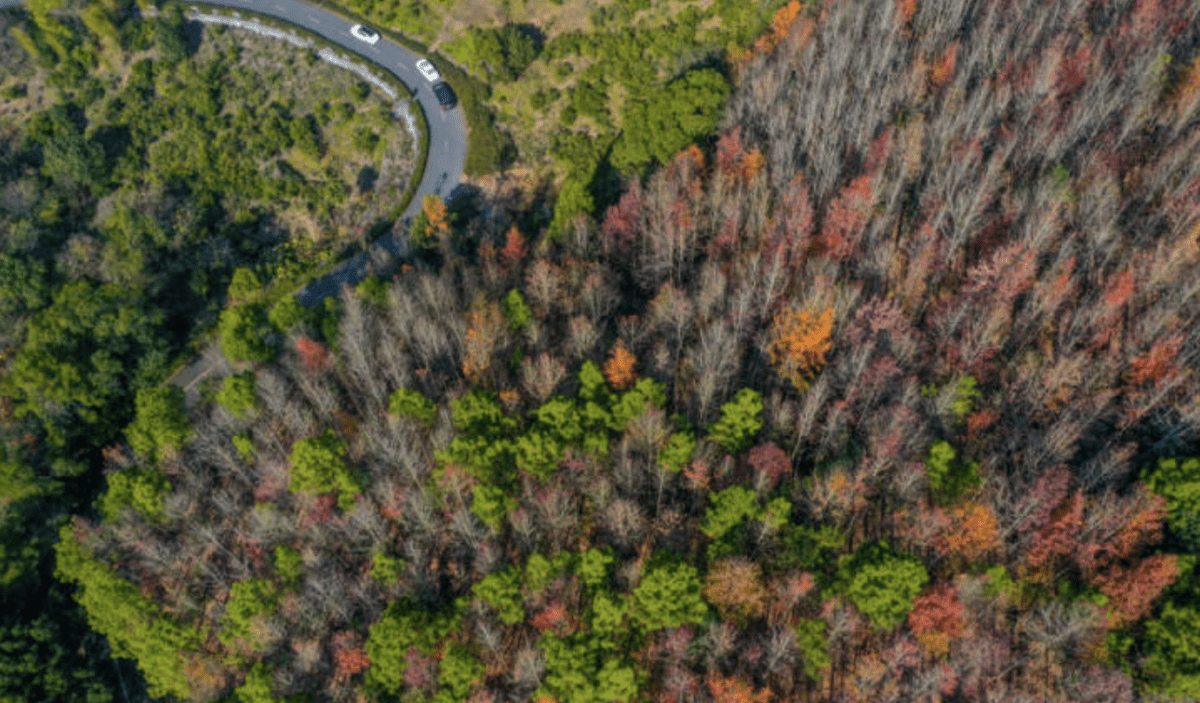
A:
{"points": [[937, 618]]}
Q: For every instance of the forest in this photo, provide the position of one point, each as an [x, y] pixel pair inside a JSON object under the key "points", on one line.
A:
{"points": [[143, 170], [880, 385]]}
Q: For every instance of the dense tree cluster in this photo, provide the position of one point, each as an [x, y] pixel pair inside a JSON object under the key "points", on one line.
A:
{"points": [[887, 394]]}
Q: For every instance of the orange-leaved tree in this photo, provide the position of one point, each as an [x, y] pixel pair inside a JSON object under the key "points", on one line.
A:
{"points": [[486, 330], [431, 224], [734, 690], [619, 367], [798, 343], [973, 533]]}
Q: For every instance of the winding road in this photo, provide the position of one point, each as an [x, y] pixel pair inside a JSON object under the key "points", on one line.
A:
{"points": [[443, 165]]}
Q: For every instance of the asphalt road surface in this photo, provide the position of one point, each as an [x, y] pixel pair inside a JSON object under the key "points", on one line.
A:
{"points": [[443, 166]]}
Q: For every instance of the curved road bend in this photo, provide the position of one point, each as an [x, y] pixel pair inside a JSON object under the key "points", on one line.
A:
{"points": [[443, 165]]}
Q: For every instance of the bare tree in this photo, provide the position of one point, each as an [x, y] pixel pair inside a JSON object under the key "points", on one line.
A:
{"points": [[540, 376], [623, 519]]}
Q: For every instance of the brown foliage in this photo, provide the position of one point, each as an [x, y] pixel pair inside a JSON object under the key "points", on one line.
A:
{"points": [[735, 587], [553, 617], [1057, 538], [486, 330], [349, 657], [1132, 592], [1157, 363], [314, 357], [514, 251], [936, 619], [734, 690], [770, 461]]}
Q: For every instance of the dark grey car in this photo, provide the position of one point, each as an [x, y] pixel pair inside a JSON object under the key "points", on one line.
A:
{"points": [[445, 96]]}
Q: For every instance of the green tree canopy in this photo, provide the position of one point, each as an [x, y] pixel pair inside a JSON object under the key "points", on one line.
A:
{"points": [[128, 619], [244, 330], [250, 599], [669, 595], [500, 54], [662, 122], [245, 286], [405, 625], [502, 591], [141, 489], [574, 671], [593, 567], [318, 467], [161, 421], [238, 393], [729, 508], [813, 646], [80, 356], [411, 404], [287, 314], [948, 480], [1178, 480], [741, 419], [458, 671], [516, 311], [880, 583], [39, 662]]}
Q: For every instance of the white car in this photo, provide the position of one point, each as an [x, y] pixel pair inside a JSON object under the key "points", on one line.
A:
{"points": [[428, 70], [366, 34]]}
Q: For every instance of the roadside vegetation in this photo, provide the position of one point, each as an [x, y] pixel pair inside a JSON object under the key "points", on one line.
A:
{"points": [[587, 94]]}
